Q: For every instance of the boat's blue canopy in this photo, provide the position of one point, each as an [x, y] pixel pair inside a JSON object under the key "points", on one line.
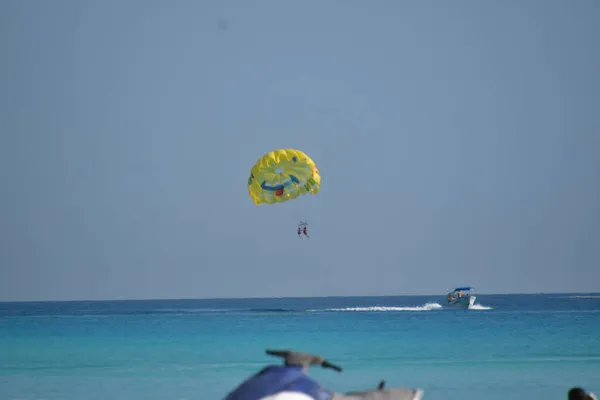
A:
{"points": [[463, 288]]}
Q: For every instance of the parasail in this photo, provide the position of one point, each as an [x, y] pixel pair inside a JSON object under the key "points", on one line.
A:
{"points": [[283, 175]]}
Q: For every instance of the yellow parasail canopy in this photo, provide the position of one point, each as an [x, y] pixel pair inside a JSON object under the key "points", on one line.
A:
{"points": [[283, 175]]}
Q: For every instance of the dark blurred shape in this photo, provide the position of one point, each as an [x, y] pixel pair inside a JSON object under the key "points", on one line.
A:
{"points": [[577, 393]]}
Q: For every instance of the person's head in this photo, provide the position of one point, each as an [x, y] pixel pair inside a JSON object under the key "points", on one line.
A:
{"points": [[577, 393]]}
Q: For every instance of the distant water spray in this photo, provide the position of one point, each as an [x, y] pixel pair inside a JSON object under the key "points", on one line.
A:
{"points": [[479, 307], [425, 307]]}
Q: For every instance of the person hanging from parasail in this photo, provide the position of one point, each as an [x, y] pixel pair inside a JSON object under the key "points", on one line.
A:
{"points": [[305, 231]]}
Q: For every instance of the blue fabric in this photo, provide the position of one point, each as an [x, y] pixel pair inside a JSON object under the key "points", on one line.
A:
{"points": [[266, 186], [463, 288], [275, 379]]}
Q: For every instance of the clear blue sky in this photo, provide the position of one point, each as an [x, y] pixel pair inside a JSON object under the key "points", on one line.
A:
{"points": [[458, 142]]}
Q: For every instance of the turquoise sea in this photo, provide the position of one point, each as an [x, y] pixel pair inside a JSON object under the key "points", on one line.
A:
{"points": [[507, 347]]}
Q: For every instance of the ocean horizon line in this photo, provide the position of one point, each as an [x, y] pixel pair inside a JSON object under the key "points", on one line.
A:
{"points": [[121, 300]]}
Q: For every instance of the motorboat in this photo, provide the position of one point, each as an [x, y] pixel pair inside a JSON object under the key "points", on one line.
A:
{"points": [[291, 382], [461, 297]]}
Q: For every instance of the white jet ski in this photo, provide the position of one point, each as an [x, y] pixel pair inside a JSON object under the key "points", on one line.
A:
{"points": [[291, 382]]}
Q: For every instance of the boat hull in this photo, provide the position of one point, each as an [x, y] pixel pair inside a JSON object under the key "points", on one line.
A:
{"points": [[463, 302]]}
